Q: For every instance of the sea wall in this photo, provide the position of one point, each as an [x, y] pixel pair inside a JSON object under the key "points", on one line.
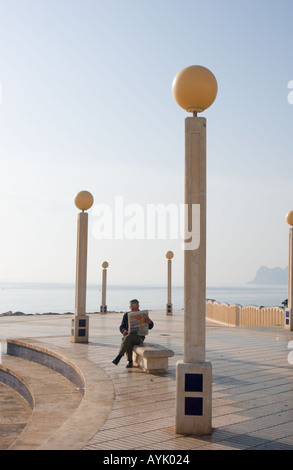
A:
{"points": [[249, 315]]}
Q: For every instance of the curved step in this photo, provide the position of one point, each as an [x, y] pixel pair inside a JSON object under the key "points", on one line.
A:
{"points": [[51, 396], [14, 415], [88, 378]]}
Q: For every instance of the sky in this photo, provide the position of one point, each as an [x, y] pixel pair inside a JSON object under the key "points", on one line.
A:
{"points": [[86, 104]]}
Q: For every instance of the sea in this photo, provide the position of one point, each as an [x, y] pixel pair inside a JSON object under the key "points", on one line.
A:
{"points": [[41, 298]]}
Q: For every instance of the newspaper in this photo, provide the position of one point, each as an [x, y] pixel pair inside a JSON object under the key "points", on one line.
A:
{"points": [[137, 324]]}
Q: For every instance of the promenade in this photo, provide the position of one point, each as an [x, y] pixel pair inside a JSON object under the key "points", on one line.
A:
{"points": [[252, 389]]}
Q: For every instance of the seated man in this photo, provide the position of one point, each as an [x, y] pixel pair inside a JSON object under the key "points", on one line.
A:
{"points": [[130, 339]]}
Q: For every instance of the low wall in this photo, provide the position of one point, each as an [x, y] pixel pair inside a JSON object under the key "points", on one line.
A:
{"points": [[249, 315]]}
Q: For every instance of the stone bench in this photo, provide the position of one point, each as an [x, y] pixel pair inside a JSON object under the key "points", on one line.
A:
{"points": [[152, 358]]}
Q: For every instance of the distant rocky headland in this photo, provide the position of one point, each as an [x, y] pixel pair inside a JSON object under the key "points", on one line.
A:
{"points": [[269, 276]]}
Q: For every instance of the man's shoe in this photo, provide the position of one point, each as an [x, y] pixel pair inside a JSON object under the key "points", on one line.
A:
{"points": [[117, 360], [129, 364]]}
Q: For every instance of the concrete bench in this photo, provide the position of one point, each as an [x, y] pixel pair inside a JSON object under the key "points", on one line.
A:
{"points": [[151, 358]]}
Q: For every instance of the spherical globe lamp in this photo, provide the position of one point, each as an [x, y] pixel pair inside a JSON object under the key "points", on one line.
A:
{"points": [[289, 218], [194, 88], [169, 254], [83, 200], [105, 264]]}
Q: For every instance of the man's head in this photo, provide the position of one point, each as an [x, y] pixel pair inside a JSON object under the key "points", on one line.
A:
{"points": [[134, 305]]}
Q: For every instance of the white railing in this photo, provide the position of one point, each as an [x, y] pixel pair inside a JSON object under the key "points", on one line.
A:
{"points": [[249, 315]]}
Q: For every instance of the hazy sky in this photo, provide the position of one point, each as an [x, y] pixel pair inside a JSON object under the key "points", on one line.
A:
{"points": [[87, 104]]}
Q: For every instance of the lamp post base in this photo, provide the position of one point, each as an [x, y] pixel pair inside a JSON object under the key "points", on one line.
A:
{"points": [[80, 329], [169, 309], [193, 398], [288, 324]]}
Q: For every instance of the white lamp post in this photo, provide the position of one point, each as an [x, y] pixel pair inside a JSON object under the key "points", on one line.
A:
{"points": [[80, 324], [289, 311], [194, 88], [103, 306], [169, 306]]}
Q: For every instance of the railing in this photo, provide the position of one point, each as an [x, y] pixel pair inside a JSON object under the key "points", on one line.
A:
{"points": [[249, 315]]}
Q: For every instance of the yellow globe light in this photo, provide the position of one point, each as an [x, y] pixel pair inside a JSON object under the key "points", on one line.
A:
{"points": [[194, 88], [289, 218], [169, 254], [83, 200], [105, 264]]}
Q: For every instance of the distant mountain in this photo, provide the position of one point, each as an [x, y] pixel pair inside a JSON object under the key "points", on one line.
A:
{"points": [[267, 275]]}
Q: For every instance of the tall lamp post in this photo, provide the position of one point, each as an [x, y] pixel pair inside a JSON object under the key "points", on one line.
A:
{"points": [[80, 323], [194, 88], [103, 306], [289, 311], [169, 306]]}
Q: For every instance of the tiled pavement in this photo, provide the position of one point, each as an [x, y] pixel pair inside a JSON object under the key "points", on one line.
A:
{"points": [[252, 383], [14, 415]]}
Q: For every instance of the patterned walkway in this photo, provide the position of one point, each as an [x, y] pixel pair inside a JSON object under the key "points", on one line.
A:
{"points": [[252, 384]]}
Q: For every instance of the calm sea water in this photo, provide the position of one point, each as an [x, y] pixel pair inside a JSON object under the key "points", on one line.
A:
{"points": [[60, 298]]}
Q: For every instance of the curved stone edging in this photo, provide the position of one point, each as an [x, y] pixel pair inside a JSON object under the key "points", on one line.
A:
{"points": [[97, 387], [17, 383], [45, 357]]}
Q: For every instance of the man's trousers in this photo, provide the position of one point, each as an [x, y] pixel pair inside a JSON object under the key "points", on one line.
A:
{"points": [[127, 344]]}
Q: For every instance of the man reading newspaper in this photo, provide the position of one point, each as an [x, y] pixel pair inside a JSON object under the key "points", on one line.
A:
{"points": [[134, 327]]}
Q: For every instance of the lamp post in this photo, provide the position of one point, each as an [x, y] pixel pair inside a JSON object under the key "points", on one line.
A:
{"points": [[169, 306], [289, 311], [194, 88], [103, 306], [80, 323]]}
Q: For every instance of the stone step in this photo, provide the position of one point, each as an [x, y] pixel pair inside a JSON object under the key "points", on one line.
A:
{"points": [[15, 413], [52, 398], [70, 395]]}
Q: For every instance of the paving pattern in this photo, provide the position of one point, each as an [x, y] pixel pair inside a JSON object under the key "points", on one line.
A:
{"points": [[14, 415], [252, 384]]}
